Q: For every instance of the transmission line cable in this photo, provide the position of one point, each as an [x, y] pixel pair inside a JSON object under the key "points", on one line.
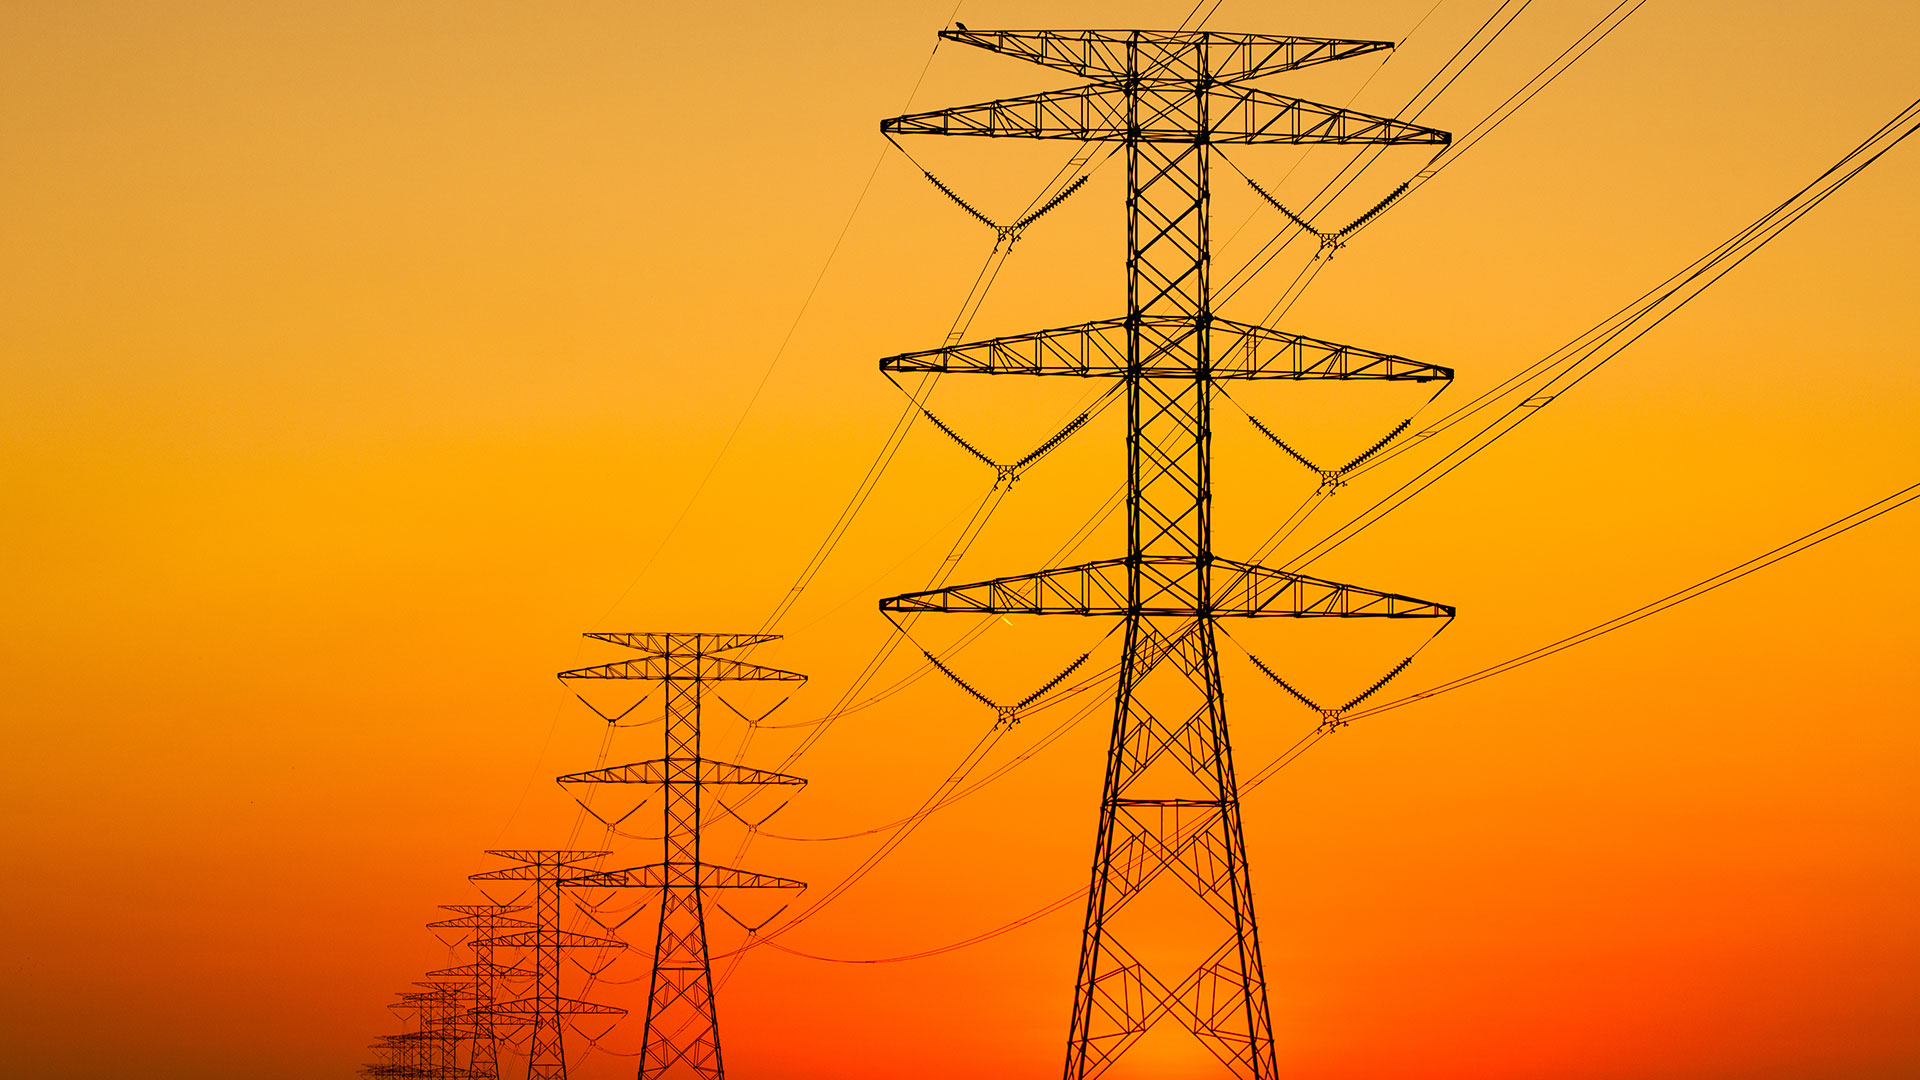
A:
{"points": [[1598, 32], [779, 352], [1592, 350], [1351, 171], [1238, 280], [1700, 588], [1805, 542], [1291, 755]]}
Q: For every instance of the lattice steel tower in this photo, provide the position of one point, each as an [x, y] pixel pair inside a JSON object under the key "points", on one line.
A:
{"points": [[682, 1033], [485, 923], [1170, 813], [544, 1009]]}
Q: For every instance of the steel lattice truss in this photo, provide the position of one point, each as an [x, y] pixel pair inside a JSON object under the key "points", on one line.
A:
{"points": [[544, 1008], [682, 1032], [428, 1052], [486, 923], [1103, 349], [1170, 812]]}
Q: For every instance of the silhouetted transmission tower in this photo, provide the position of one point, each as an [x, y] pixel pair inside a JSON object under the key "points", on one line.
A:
{"points": [[544, 1009], [484, 924], [1170, 812], [431, 1044], [683, 1029]]}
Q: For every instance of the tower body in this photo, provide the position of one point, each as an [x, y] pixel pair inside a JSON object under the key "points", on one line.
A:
{"points": [[682, 1033], [1169, 820], [544, 1009]]}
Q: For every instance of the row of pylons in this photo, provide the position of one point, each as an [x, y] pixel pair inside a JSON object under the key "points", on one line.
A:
{"points": [[508, 996], [1170, 103]]}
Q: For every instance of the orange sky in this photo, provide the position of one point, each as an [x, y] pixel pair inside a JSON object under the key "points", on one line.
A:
{"points": [[358, 356]]}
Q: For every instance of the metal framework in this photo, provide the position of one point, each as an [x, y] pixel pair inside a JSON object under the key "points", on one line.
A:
{"points": [[1170, 812], [682, 1033], [427, 1052], [406, 1056], [544, 1008], [484, 923]]}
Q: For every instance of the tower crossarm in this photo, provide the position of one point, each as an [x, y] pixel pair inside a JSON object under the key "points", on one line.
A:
{"points": [[537, 865], [1243, 351], [527, 1008], [682, 644], [660, 875], [486, 910], [690, 667], [480, 922], [1176, 54], [1250, 591], [1099, 349], [1168, 587], [469, 971], [1164, 111], [557, 939], [682, 770]]}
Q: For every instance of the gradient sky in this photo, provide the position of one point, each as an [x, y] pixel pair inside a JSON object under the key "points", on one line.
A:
{"points": [[359, 356]]}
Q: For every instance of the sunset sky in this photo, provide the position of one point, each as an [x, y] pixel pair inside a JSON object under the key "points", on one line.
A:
{"points": [[358, 357]]}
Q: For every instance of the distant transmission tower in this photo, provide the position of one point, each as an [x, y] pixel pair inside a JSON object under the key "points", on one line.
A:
{"points": [[431, 1043], [682, 1032], [398, 1057], [1170, 811], [443, 1024], [545, 1009], [485, 923]]}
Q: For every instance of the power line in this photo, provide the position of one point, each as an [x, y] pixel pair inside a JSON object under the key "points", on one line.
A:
{"points": [[1824, 533], [1593, 349], [780, 351], [1807, 541]]}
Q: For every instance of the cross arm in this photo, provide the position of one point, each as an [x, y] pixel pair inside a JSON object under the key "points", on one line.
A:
{"points": [[674, 644], [655, 876], [1237, 351], [1168, 586], [701, 666], [530, 1008], [470, 971], [682, 770], [1114, 54], [480, 922], [535, 863], [1098, 113], [484, 909], [564, 939]]}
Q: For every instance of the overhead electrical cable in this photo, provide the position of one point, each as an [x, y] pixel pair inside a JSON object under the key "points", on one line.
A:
{"points": [[1483, 36], [1572, 364], [1599, 31], [816, 732], [1310, 740], [1805, 542], [805, 304], [1700, 588], [1594, 34]]}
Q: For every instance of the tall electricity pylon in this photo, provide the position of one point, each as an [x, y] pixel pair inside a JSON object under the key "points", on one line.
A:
{"points": [[1170, 810], [485, 923], [545, 1008], [683, 1029]]}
